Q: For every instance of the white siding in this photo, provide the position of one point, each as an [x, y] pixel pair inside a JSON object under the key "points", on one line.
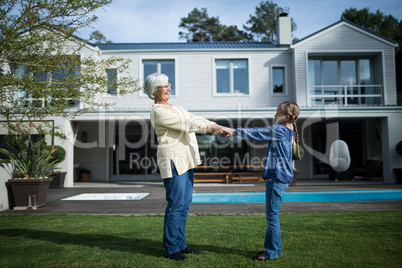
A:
{"points": [[195, 79]]}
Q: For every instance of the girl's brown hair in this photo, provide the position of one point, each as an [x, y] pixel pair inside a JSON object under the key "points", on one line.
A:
{"points": [[291, 109]]}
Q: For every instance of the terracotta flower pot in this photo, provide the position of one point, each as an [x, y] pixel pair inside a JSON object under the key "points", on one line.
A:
{"points": [[29, 192], [58, 179]]}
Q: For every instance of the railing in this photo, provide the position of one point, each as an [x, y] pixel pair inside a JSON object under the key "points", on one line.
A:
{"points": [[21, 98], [346, 95]]}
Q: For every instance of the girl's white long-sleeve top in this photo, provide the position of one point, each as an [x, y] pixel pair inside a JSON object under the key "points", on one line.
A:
{"points": [[175, 129]]}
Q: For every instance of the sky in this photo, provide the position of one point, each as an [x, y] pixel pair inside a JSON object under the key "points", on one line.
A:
{"points": [[144, 21]]}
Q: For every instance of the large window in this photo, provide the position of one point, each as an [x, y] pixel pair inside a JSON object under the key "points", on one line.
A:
{"points": [[343, 81], [231, 76], [161, 66], [278, 80], [219, 151]]}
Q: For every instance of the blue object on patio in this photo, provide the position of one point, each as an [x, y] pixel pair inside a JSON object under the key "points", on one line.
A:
{"points": [[300, 196]]}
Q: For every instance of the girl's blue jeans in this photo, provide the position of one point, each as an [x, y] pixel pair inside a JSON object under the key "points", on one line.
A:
{"points": [[179, 193], [274, 191]]}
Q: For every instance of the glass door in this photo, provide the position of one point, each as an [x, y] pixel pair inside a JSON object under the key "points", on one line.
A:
{"points": [[133, 152]]}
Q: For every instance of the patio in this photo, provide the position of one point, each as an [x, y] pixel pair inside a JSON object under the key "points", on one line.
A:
{"points": [[154, 203]]}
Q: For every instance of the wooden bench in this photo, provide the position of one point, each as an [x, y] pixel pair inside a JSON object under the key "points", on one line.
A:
{"points": [[212, 174], [247, 176], [227, 174], [225, 177]]}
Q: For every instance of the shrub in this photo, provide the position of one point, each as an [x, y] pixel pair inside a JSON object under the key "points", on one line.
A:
{"points": [[30, 159], [59, 153]]}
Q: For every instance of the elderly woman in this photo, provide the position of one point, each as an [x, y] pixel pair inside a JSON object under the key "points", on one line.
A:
{"points": [[177, 156]]}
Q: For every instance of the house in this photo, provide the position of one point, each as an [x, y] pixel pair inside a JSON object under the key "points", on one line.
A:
{"points": [[342, 77]]}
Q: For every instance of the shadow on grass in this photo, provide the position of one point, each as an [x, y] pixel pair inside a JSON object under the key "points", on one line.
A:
{"points": [[110, 242], [223, 250]]}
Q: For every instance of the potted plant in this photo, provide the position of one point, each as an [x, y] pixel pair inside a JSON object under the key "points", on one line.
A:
{"points": [[59, 154], [398, 171], [297, 154], [31, 163]]}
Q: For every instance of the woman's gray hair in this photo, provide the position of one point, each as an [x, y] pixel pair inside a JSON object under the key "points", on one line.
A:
{"points": [[152, 82]]}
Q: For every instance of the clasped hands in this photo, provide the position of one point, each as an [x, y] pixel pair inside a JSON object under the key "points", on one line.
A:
{"points": [[221, 130], [226, 132]]}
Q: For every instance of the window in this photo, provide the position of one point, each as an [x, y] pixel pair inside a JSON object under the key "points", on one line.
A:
{"points": [[215, 150], [111, 81], [133, 151], [164, 67], [231, 76], [58, 75], [329, 72], [343, 81], [278, 80]]}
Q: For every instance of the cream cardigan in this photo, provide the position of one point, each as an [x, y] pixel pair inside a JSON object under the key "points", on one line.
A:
{"points": [[175, 128]]}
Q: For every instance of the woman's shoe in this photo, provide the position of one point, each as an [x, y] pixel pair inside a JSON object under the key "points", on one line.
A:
{"points": [[177, 256], [189, 250]]}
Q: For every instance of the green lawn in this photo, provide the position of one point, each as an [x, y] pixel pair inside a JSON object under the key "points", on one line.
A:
{"points": [[333, 239]]}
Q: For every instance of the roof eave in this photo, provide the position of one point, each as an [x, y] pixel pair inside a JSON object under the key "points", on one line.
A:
{"points": [[192, 50]]}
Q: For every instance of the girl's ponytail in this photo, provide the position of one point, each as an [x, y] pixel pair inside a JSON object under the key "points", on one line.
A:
{"points": [[291, 109]]}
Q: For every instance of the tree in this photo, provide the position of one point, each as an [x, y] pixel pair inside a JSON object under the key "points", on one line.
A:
{"points": [[42, 72], [202, 28], [385, 25], [98, 37], [263, 25], [231, 33]]}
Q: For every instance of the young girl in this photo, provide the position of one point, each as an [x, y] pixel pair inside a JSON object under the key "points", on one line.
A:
{"points": [[277, 169]]}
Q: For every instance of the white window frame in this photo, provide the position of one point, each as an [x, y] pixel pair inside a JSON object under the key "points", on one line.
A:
{"points": [[215, 89], [285, 80], [141, 94]]}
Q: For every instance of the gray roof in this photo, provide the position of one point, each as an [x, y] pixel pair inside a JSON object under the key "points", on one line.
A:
{"points": [[190, 46]]}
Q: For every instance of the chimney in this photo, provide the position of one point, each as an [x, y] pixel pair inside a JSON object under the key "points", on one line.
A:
{"points": [[285, 29]]}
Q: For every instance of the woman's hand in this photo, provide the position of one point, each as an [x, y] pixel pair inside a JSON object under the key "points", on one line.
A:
{"points": [[226, 132], [220, 130]]}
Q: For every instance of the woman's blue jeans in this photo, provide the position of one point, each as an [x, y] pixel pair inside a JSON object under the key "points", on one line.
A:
{"points": [[272, 244], [179, 194]]}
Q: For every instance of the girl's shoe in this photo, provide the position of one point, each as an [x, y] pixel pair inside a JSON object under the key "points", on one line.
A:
{"points": [[259, 258]]}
